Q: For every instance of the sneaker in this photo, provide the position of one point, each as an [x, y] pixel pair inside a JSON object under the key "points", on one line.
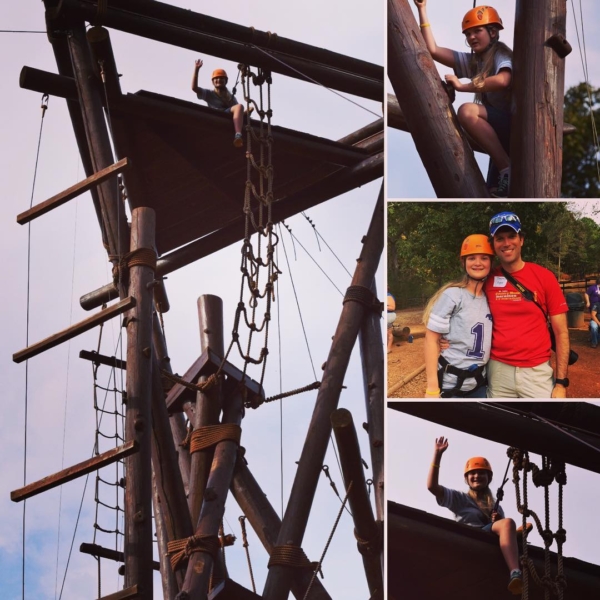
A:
{"points": [[515, 584], [502, 190], [238, 140]]}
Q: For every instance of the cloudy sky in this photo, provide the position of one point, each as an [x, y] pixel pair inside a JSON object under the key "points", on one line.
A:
{"points": [[407, 177], [67, 260]]}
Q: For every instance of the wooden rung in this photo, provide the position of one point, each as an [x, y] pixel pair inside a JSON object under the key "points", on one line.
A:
{"points": [[102, 359], [70, 473], [95, 550], [130, 592], [75, 330], [79, 188]]}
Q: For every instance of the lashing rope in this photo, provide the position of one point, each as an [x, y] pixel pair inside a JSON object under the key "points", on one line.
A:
{"points": [[181, 550], [202, 386], [289, 555], [363, 295], [144, 257], [210, 435]]}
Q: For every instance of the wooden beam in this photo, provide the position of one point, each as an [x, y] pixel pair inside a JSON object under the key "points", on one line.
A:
{"points": [[70, 473], [100, 551], [230, 590], [75, 190], [126, 594], [74, 330], [101, 359]]}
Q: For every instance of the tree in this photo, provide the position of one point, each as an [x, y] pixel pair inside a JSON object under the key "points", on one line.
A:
{"points": [[580, 176]]}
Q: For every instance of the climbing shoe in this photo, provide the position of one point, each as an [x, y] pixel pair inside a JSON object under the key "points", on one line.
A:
{"points": [[238, 140], [515, 584], [502, 190]]}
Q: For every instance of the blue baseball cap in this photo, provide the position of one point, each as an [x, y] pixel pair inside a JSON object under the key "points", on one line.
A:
{"points": [[505, 219]]}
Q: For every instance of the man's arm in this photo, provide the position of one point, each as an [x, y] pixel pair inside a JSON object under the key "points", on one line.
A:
{"points": [[561, 333], [197, 66]]}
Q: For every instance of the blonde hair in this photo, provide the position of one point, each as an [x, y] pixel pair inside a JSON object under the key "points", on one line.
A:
{"points": [[485, 500], [463, 282], [482, 71]]}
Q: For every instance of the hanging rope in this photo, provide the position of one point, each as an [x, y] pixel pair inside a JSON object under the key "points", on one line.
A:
{"points": [[550, 471], [245, 544], [307, 388]]}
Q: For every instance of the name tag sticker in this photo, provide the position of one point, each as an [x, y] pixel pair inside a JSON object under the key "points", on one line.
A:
{"points": [[499, 281]]}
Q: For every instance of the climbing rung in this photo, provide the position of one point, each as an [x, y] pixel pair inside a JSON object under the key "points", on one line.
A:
{"points": [[79, 188], [70, 473], [102, 359], [75, 330], [130, 592], [95, 550]]}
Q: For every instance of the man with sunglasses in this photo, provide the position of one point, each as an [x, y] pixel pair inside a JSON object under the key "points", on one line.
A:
{"points": [[221, 99], [520, 357]]}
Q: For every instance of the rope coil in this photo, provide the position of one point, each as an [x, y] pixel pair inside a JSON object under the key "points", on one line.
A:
{"points": [[290, 556], [363, 295], [181, 550], [210, 435], [141, 257]]}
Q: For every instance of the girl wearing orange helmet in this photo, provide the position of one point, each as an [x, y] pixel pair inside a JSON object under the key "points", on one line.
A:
{"points": [[477, 507], [459, 311], [221, 99], [489, 67]]}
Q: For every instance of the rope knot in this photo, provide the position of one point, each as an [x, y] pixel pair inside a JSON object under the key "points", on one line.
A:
{"points": [[363, 295]]}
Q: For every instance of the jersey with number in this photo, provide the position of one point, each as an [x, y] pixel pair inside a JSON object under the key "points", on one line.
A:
{"points": [[521, 337], [466, 322]]}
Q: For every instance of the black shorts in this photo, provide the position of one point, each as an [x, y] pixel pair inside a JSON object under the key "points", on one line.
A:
{"points": [[500, 122]]}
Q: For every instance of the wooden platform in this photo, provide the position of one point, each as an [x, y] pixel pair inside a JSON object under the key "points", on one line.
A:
{"points": [[186, 168], [433, 557]]}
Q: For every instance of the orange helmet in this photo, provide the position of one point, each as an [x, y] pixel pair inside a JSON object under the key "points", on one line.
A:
{"points": [[219, 73], [478, 463], [481, 16], [476, 244]]}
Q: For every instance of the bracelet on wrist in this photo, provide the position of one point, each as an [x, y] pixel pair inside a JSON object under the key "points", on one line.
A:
{"points": [[435, 466], [423, 25]]}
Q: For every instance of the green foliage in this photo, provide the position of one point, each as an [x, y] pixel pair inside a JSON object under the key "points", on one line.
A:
{"points": [[424, 240], [580, 170]]}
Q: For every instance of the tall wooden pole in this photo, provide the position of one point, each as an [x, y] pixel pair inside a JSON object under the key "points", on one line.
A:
{"points": [[169, 582], [538, 89], [138, 416], [296, 516], [208, 405], [440, 141], [371, 353]]}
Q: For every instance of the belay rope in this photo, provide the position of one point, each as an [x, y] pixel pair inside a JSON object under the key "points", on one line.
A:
{"points": [[551, 471], [257, 263]]}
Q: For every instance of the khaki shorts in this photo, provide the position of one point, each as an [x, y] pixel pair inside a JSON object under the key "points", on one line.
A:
{"points": [[505, 381]]}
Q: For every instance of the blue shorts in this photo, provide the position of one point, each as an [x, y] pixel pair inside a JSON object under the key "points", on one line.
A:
{"points": [[487, 528]]}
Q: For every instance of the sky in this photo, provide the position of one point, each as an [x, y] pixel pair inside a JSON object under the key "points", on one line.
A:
{"points": [[67, 260], [407, 177], [410, 446]]}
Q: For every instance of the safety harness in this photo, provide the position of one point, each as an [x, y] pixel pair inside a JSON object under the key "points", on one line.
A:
{"points": [[461, 375]]}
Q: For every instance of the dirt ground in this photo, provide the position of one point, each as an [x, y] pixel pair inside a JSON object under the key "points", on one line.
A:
{"points": [[407, 357]]}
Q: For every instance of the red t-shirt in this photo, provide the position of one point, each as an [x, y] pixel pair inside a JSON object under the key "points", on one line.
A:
{"points": [[520, 337]]}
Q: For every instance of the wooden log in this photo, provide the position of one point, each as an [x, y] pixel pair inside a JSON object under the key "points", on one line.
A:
{"points": [[405, 380], [317, 438], [74, 330], [70, 473], [198, 573], [169, 582], [371, 353], [538, 92], [207, 43], [76, 190], [439, 139], [366, 531], [113, 212], [208, 405], [98, 297], [266, 524], [101, 552], [176, 420], [127, 594], [101, 359], [161, 300], [507, 428], [138, 416], [105, 66]]}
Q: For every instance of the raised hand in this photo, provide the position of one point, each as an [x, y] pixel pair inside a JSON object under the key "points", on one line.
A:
{"points": [[198, 63], [441, 445]]}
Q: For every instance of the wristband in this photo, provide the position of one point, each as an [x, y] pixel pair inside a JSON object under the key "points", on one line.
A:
{"points": [[423, 25], [432, 392], [434, 465]]}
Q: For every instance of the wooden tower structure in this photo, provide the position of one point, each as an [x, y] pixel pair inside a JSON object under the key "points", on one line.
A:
{"points": [[423, 107], [182, 182], [451, 560]]}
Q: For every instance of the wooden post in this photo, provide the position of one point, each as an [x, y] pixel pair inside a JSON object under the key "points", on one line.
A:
{"points": [[176, 420], [366, 531], [208, 405], [169, 583], [113, 212], [439, 139], [138, 416], [538, 88], [317, 438], [371, 353], [197, 577], [266, 524]]}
